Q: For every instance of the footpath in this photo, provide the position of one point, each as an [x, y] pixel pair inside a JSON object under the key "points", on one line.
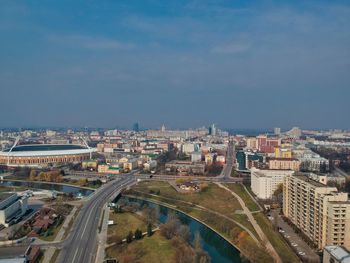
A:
{"points": [[256, 226], [51, 250]]}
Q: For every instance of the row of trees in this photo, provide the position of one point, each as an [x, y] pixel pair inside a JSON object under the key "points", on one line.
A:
{"points": [[49, 176], [238, 236], [137, 235], [181, 240]]}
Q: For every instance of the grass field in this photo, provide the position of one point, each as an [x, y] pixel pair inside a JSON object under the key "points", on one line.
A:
{"points": [[155, 249], [123, 223], [239, 189], [276, 240], [215, 199]]}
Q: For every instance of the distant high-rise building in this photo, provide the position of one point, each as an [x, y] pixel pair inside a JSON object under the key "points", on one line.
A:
{"points": [[163, 128], [295, 132], [277, 131], [212, 130], [135, 127]]}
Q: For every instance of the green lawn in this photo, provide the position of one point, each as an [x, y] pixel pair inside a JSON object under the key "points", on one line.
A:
{"points": [[239, 189], [155, 249], [213, 197], [216, 199], [123, 223], [282, 248]]}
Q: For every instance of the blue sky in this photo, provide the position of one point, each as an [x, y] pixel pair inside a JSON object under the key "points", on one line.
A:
{"points": [[239, 64]]}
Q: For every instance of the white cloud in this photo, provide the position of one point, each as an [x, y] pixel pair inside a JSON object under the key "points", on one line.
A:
{"points": [[90, 42], [232, 48]]}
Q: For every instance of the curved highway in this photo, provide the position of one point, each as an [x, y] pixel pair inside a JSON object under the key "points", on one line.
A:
{"points": [[81, 245]]}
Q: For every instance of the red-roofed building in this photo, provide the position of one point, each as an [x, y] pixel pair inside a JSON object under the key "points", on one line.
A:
{"points": [[33, 253]]}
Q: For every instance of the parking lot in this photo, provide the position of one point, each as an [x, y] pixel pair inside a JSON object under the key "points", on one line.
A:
{"points": [[302, 249]]}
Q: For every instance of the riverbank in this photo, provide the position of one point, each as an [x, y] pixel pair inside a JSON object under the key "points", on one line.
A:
{"points": [[50, 183], [221, 211], [175, 208], [154, 248]]}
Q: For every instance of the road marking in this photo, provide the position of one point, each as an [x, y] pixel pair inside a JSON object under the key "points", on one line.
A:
{"points": [[94, 202], [87, 221], [75, 254]]}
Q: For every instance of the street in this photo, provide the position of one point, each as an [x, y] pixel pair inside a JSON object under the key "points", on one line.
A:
{"points": [[81, 244]]}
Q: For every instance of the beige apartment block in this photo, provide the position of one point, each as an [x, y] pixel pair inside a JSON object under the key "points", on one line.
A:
{"points": [[320, 212], [284, 164]]}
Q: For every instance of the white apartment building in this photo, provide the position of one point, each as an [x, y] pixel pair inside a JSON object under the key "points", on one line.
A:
{"points": [[265, 182], [12, 206], [320, 212], [188, 148], [196, 157]]}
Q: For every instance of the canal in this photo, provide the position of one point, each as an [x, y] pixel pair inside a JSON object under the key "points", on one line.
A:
{"points": [[219, 250], [48, 186]]}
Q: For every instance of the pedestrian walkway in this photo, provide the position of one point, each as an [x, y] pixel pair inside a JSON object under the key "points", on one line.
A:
{"points": [[51, 250], [199, 207], [256, 226], [102, 236]]}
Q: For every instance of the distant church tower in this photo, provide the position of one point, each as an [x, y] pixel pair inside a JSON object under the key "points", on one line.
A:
{"points": [[163, 128]]}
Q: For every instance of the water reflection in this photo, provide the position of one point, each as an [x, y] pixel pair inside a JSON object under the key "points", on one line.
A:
{"points": [[45, 186], [217, 247]]}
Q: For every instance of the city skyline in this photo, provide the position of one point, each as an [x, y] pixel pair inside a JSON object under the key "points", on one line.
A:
{"points": [[185, 63]]}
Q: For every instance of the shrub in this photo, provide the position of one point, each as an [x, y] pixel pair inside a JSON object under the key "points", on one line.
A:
{"points": [[129, 237], [149, 230], [138, 234]]}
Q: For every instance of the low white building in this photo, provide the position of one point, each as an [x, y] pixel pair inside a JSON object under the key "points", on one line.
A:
{"points": [[188, 148], [335, 254], [196, 157], [151, 164], [12, 206], [265, 182]]}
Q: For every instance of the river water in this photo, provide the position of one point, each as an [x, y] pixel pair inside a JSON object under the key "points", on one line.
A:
{"points": [[219, 250], [53, 187], [217, 247]]}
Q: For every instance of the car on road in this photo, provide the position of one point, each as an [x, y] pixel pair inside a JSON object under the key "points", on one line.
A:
{"points": [[294, 244], [281, 231]]}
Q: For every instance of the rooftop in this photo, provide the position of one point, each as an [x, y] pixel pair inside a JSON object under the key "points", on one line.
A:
{"points": [[309, 180], [45, 147], [340, 253], [4, 196], [46, 150], [283, 159]]}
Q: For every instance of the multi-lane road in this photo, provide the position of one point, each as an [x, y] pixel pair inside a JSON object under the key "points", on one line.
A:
{"points": [[81, 245], [226, 172]]}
